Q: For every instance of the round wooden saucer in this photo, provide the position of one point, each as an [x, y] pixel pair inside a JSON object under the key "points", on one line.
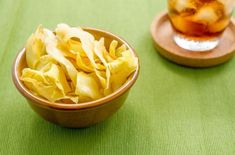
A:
{"points": [[162, 33]]}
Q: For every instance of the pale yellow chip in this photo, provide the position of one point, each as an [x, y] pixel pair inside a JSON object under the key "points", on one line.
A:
{"points": [[35, 81], [56, 75], [35, 47], [45, 60], [75, 47], [121, 69], [87, 87], [99, 50], [71, 66], [82, 64], [52, 50], [51, 85], [112, 49], [120, 50], [87, 41]]}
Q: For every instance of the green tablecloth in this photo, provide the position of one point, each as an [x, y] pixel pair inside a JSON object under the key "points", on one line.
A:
{"points": [[171, 109]]}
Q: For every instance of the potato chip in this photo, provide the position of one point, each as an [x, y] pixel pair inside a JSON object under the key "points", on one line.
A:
{"points": [[56, 75], [112, 49], [120, 50], [51, 85], [75, 47], [45, 60], [87, 87], [35, 47], [65, 50], [70, 47], [99, 49], [71, 66], [121, 68], [36, 82], [51, 48], [87, 41], [82, 65]]}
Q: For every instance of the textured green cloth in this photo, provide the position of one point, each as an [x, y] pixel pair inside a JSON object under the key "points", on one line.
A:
{"points": [[171, 109]]}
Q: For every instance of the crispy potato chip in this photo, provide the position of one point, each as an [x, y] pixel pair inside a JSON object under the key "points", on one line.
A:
{"points": [[112, 49], [106, 56], [99, 49], [55, 74], [62, 30], [87, 41], [33, 75], [121, 68], [101, 77], [50, 85], [35, 47], [45, 60], [51, 47], [120, 50], [82, 65], [37, 82], [75, 47], [87, 87], [67, 34], [70, 66], [65, 50]]}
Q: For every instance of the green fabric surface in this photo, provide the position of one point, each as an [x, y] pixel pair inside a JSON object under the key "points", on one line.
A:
{"points": [[171, 109]]}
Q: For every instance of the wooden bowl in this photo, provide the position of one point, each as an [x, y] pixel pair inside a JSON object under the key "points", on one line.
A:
{"points": [[76, 115]]}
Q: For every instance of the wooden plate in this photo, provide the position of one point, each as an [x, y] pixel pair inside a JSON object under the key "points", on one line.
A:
{"points": [[162, 33]]}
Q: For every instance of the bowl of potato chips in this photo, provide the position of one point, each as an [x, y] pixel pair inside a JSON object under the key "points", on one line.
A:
{"points": [[74, 76]]}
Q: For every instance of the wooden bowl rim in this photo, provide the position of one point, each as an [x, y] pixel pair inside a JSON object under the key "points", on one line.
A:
{"points": [[84, 105]]}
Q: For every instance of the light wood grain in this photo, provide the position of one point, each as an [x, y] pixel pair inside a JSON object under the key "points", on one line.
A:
{"points": [[162, 33]]}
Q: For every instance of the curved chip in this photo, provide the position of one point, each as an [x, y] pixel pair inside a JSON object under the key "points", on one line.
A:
{"points": [[121, 68], [82, 65], [87, 87], [36, 81], [35, 47], [71, 66], [112, 49], [99, 49], [51, 47], [87, 41], [45, 60], [120, 50], [56, 75], [51, 85]]}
